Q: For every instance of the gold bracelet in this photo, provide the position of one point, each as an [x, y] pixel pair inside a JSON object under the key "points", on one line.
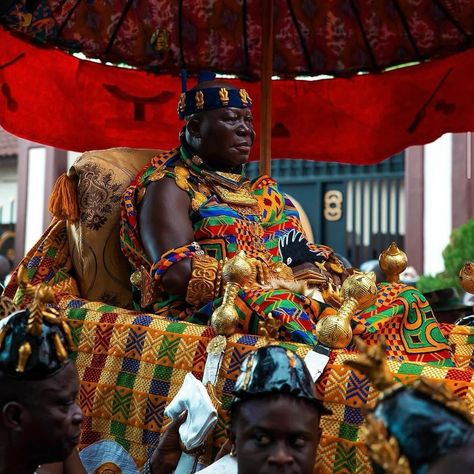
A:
{"points": [[201, 286]]}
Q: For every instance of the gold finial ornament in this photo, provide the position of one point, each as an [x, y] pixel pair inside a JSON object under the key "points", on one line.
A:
{"points": [[236, 273], [358, 292], [393, 262], [24, 353], [466, 277]]}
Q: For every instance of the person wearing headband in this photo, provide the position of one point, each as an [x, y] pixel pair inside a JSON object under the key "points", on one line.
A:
{"points": [[39, 417], [192, 208]]}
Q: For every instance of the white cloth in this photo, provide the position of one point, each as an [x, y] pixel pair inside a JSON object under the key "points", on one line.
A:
{"points": [[202, 416], [225, 465]]}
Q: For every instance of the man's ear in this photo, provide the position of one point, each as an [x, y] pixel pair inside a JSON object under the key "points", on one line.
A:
{"points": [[193, 126], [14, 415]]}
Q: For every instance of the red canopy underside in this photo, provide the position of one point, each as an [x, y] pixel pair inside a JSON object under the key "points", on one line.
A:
{"points": [[50, 97]]}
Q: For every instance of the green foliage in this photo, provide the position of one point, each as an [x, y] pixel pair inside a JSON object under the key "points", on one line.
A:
{"points": [[428, 283], [459, 251]]}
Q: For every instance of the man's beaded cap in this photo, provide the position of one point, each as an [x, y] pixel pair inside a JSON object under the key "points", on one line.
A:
{"points": [[202, 99]]}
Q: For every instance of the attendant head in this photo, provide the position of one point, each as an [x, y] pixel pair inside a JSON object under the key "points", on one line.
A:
{"points": [[424, 420], [219, 124], [39, 418], [275, 414]]}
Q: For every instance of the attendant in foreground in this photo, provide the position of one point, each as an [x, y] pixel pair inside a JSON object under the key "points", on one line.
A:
{"points": [[39, 417], [275, 415]]}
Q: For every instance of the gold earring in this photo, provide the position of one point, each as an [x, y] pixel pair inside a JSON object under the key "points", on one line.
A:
{"points": [[232, 452]]}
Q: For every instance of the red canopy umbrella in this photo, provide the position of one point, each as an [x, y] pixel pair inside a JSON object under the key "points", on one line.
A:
{"points": [[330, 118]]}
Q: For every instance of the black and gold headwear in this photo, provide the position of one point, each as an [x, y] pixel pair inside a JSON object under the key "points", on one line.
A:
{"points": [[413, 425], [200, 99], [274, 370], [34, 342]]}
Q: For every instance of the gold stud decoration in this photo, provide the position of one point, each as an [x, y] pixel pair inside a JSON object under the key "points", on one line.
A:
{"points": [[224, 96], [244, 97], [199, 99], [182, 102]]}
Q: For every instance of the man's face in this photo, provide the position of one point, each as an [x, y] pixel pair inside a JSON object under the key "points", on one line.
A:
{"points": [[52, 419], [226, 137], [276, 435]]}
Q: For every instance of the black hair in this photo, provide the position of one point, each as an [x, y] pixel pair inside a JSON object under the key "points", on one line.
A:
{"points": [[234, 410]]}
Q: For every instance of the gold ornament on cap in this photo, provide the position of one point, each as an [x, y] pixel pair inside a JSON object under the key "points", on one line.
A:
{"points": [[236, 273], [244, 97], [224, 96], [384, 449], [199, 99], [59, 347], [393, 262], [358, 292], [24, 353], [466, 277]]}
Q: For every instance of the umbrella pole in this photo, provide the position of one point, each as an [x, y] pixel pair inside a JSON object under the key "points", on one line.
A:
{"points": [[266, 71]]}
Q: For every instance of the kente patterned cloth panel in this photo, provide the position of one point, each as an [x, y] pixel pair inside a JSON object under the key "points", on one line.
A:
{"points": [[131, 365]]}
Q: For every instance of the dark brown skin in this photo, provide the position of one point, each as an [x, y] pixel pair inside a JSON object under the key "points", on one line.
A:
{"points": [[276, 435], [43, 429], [458, 461], [166, 456], [223, 139], [72, 465]]}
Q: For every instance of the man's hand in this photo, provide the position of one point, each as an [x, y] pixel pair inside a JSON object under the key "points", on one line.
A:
{"points": [[166, 456]]}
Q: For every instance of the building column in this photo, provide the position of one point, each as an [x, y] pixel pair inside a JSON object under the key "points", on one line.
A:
{"points": [[38, 168], [437, 202], [462, 179], [414, 208]]}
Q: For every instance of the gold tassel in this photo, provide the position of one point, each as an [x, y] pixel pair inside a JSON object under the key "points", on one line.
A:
{"points": [[63, 200]]}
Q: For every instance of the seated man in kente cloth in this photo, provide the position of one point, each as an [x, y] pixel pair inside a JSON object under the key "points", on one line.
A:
{"points": [[192, 207]]}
